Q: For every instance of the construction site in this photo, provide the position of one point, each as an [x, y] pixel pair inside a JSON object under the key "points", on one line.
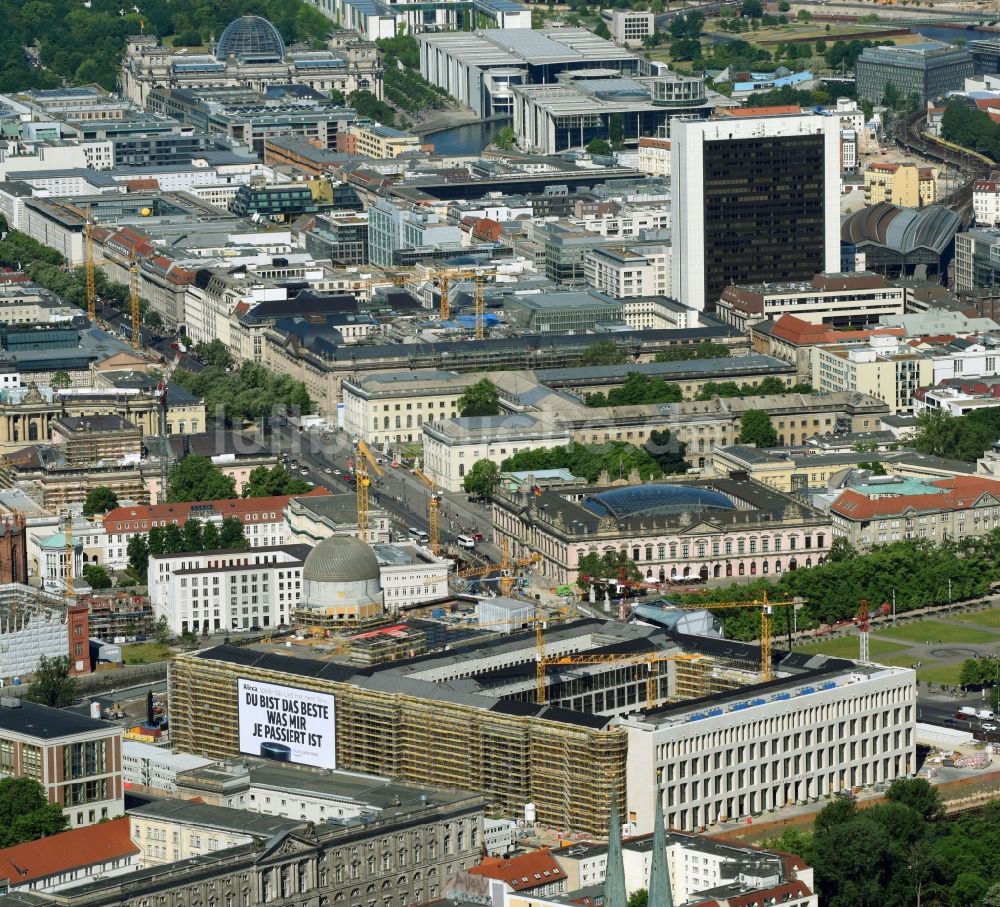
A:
{"points": [[566, 717]]}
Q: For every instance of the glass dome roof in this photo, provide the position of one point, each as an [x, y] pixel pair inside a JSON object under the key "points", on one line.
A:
{"points": [[655, 499], [250, 38]]}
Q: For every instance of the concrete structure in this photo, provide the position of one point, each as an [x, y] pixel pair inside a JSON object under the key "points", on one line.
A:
{"points": [[840, 300], [249, 52], [480, 69], [76, 759], [888, 509], [410, 574], [626, 272], [630, 28], [904, 184], [155, 768], [785, 171], [374, 19], [568, 115], [453, 447], [471, 702], [227, 590], [705, 529], [927, 70]]}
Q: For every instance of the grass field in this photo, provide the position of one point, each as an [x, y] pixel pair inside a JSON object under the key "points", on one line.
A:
{"points": [[847, 647], [989, 618], [943, 672], [142, 653], [934, 631]]}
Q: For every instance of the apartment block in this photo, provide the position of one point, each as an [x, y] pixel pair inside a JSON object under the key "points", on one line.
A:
{"points": [[624, 272], [905, 184]]}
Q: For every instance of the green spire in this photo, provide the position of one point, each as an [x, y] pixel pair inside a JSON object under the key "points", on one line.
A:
{"points": [[660, 894], [614, 879]]}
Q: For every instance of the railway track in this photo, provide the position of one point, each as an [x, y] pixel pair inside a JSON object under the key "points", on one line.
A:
{"points": [[975, 166]]}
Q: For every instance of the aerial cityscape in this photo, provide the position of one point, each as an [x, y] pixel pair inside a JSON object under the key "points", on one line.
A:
{"points": [[494, 453]]}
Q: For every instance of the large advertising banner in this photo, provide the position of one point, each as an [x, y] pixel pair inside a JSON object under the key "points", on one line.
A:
{"points": [[287, 724]]}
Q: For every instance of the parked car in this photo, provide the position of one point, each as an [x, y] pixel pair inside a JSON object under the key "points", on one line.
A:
{"points": [[962, 716], [990, 727], [476, 536]]}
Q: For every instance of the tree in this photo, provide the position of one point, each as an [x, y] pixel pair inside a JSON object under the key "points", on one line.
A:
{"points": [[264, 482], [687, 49], [192, 534], [26, 814], [189, 639], [152, 319], [100, 499], [96, 576], [161, 631], [231, 534], [197, 478], [638, 898], [60, 381], [616, 131], [667, 451], [919, 795], [482, 479], [841, 550], [138, 556], [480, 399], [604, 352], [602, 30], [751, 9], [210, 537], [214, 353], [756, 428], [52, 684], [506, 138], [606, 566], [600, 147]]}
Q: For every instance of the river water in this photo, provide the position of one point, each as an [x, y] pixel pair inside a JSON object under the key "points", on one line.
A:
{"points": [[469, 139], [951, 35]]}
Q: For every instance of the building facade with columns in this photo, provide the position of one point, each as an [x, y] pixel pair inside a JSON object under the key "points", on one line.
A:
{"points": [[690, 530]]}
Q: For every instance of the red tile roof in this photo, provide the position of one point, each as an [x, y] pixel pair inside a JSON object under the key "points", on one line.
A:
{"points": [[779, 109], [247, 510], [959, 493], [803, 333], [524, 872], [76, 849]]}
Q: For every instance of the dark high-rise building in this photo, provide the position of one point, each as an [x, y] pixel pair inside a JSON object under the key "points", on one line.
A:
{"points": [[755, 200]]}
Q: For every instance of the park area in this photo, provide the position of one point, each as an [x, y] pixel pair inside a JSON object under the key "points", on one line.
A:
{"points": [[939, 644]]}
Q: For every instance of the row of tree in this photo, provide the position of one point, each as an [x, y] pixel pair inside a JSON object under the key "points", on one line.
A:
{"points": [[914, 572], [971, 128], [194, 535], [901, 852], [957, 437], [639, 389]]}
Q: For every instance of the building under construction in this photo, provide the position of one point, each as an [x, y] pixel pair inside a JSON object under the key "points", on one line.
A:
{"points": [[622, 709]]}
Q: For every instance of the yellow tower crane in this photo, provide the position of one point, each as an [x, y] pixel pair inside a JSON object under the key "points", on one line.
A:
{"points": [[433, 513], [364, 459], [88, 232], [766, 610], [443, 279], [134, 287]]}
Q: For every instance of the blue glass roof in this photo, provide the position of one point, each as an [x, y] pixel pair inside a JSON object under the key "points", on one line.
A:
{"points": [[655, 499]]}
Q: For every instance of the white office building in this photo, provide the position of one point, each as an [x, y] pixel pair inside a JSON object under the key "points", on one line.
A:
{"points": [[410, 574], [626, 272], [153, 767], [227, 590], [799, 742], [755, 199]]}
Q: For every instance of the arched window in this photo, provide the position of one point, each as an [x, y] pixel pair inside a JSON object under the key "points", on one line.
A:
{"points": [[742, 569]]}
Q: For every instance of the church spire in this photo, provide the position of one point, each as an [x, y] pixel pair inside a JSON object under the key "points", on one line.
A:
{"points": [[660, 894], [615, 894]]}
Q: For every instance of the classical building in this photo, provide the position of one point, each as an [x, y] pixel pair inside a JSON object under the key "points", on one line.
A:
{"points": [[75, 758], [888, 510], [402, 857], [410, 574], [454, 446], [251, 53], [705, 529]]}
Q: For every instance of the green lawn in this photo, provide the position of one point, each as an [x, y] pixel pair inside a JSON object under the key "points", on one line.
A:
{"points": [[934, 631], [989, 618], [944, 672], [141, 653], [847, 647]]}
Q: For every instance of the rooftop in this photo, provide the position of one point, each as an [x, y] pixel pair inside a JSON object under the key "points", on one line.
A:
{"points": [[205, 815], [29, 719]]}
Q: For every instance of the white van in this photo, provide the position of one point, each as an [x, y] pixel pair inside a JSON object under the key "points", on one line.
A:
{"points": [[418, 535], [467, 542], [985, 714]]}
